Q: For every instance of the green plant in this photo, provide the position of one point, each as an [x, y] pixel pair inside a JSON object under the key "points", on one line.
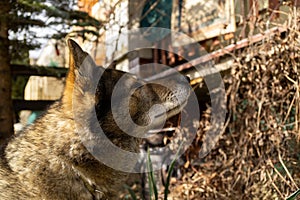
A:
{"points": [[170, 171], [131, 192], [151, 178], [294, 195]]}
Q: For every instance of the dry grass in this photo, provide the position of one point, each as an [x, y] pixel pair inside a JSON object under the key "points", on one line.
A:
{"points": [[258, 156]]}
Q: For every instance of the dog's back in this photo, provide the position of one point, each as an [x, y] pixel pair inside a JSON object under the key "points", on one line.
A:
{"points": [[48, 160]]}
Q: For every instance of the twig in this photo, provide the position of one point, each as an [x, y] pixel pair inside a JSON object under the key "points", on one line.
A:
{"points": [[287, 171], [274, 185]]}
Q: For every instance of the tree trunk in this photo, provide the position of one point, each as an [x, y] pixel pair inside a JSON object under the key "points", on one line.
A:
{"points": [[6, 110]]}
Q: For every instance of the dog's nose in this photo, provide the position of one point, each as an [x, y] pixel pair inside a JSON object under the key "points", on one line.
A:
{"points": [[187, 78]]}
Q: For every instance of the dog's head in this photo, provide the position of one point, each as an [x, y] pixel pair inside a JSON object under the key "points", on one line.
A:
{"points": [[121, 101]]}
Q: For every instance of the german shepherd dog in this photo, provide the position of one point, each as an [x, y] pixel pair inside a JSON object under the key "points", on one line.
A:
{"points": [[49, 159]]}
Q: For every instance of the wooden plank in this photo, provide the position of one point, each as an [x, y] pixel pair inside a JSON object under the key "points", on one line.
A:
{"points": [[31, 105], [27, 70], [219, 53]]}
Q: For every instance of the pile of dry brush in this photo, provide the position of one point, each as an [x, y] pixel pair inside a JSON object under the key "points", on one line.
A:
{"points": [[258, 155]]}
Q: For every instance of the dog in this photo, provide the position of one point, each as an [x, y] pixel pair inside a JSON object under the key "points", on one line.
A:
{"points": [[54, 159]]}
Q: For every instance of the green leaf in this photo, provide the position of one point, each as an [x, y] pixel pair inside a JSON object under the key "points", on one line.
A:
{"points": [[170, 171], [131, 192], [151, 178], [294, 195]]}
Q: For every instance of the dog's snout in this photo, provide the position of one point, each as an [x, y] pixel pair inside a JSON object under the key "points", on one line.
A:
{"points": [[187, 78]]}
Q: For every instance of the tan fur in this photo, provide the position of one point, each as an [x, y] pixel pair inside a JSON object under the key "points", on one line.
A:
{"points": [[48, 160]]}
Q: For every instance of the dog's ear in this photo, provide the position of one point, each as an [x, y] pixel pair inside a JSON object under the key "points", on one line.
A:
{"points": [[82, 71]]}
